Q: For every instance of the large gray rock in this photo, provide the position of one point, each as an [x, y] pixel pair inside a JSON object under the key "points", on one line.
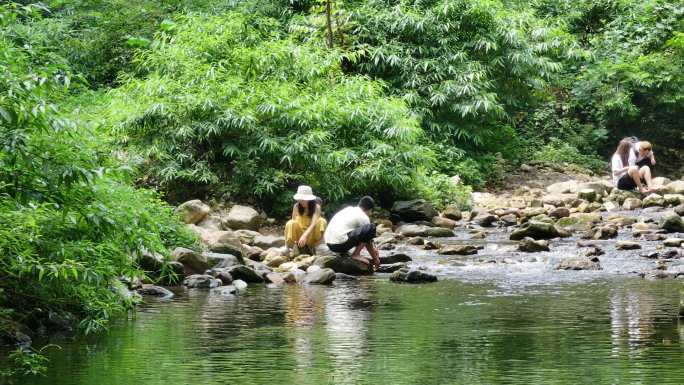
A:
{"points": [[245, 273], [268, 241], [394, 258], [676, 187], [673, 242], [579, 263], [392, 267], [568, 187], [210, 222], [152, 262], [453, 213], [672, 223], [226, 242], [412, 230], [202, 281], [632, 204], [412, 276], [529, 245], [155, 291], [219, 260], [599, 187], [588, 195], [194, 262], [193, 211], [444, 222], [485, 220], [654, 200], [579, 222], [415, 210], [627, 245], [320, 277], [603, 232], [679, 210], [343, 264], [535, 230], [242, 217], [559, 212], [458, 250]]}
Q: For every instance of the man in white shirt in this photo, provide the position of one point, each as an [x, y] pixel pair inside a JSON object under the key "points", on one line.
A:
{"points": [[351, 228]]}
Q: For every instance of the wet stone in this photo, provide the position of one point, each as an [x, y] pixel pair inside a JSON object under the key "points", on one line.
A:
{"points": [[627, 245], [412, 276], [458, 250]]}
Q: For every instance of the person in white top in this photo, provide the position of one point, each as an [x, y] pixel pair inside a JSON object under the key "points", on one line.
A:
{"points": [[626, 174], [351, 228]]}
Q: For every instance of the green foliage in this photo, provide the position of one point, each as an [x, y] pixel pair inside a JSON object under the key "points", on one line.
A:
{"points": [[25, 362], [558, 153], [229, 106], [70, 222]]}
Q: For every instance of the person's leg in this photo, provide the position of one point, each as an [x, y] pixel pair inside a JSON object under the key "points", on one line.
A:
{"points": [[645, 174], [356, 255], [292, 233], [636, 177], [316, 236]]}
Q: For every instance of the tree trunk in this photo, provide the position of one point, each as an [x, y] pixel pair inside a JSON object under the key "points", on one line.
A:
{"points": [[328, 17]]}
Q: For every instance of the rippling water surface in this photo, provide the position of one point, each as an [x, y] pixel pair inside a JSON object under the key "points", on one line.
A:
{"points": [[619, 330]]}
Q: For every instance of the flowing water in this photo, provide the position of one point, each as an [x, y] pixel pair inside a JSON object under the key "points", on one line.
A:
{"points": [[497, 317]]}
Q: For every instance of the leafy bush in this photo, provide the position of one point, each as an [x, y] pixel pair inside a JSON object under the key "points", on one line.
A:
{"points": [[557, 152], [230, 107], [70, 223]]}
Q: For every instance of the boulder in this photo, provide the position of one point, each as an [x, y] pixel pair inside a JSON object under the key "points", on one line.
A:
{"points": [[155, 291], [621, 221], [478, 235], [274, 278], [245, 236], [632, 204], [320, 277], [485, 220], [219, 260], [453, 213], [627, 245], [151, 262], [674, 199], [268, 241], [412, 276], [588, 195], [676, 187], [275, 261], [431, 245], [252, 252], [245, 273], [672, 223], [535, 230], [424, 231], [611, 206], [579, 263], [394, 258], [224, 276], [529, 245], [227, 291], [240, 285], [242, 217], [194, 211], [391, 268], [211, 222], [603, 232], [203, 281], [509, 219], [679, 210], [568, 187], [653, 200], [416, 241], [673, 242], [458, 250], [226, 242], [444, 222], [579, 222], [599, 187], [559, 212], [194, 262], [294, 276], [344, 264], [660, 182], [593, 251], [414, 210]]}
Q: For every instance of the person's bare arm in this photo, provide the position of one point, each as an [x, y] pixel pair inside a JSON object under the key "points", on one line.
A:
{"points": [[314, 221], [653, 161]]}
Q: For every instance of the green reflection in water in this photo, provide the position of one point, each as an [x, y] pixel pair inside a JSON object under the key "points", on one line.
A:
{"points": [[375, 332]]}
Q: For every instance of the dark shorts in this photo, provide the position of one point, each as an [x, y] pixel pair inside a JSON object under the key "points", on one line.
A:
{"points": [[645, 162], [626, 183], [363, 234]]}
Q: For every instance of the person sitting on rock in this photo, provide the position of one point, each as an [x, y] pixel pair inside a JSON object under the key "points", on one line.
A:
{"points": [[626, 174], [305, 230], [351, 228], [644, 155]]}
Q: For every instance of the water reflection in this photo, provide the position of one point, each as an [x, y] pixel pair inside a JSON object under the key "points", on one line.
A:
{"points": [[372, 331]]}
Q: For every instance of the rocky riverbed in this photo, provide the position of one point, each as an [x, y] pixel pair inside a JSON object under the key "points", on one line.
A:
{"points": [[577, 229]]}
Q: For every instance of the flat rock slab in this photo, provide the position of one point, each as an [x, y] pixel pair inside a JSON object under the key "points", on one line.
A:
{"points": [[344, 264], [458, 250], [627, 245], [579, 263], [394, 258], [412, 276]]}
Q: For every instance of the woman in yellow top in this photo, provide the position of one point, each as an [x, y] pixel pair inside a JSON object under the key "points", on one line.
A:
{"points": [[305, 230]]}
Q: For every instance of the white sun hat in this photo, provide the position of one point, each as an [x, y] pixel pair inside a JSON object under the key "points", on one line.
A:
{"points": [[304, 193]]}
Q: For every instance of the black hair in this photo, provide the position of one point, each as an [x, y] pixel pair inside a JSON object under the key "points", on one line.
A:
{"points": [[311, 207], [366, 203]]}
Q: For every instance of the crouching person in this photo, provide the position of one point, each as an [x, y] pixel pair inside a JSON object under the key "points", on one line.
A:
{"points": [[305, 230], [351, 228]]}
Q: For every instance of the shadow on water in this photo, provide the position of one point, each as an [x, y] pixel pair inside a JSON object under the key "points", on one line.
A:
{"points": [[618, 330]]}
